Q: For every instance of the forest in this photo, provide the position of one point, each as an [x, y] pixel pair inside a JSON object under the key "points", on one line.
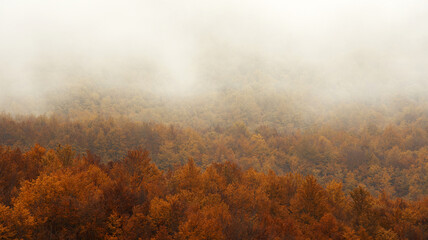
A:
{"points": [[70, 177], [382, 148], [58, 194], [214, 120]]}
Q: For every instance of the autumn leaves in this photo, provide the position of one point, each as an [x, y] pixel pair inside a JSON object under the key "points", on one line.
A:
{"points": [[54, 194]]}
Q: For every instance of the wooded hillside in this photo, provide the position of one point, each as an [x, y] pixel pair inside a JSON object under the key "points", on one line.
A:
{"points": [[54, 194]]}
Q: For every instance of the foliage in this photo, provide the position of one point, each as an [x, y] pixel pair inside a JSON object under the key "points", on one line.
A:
{"points": [[393, 158], [82, 198]]}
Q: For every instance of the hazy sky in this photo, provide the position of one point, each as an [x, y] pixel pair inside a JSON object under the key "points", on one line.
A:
{"points": [[365, 44]]}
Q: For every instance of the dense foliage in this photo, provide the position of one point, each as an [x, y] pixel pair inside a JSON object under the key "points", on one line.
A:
{"points": [[54, 194], [365, 162], [393, 158]]}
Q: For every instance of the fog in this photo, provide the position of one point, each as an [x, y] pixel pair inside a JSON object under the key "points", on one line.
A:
{"points": [[337, 49]]}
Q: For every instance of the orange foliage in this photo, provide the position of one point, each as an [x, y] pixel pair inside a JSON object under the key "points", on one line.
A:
{"points": [[51, 194]]}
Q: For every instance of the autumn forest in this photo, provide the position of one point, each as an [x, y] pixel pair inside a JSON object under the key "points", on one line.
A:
{"points": [[213, 120]]}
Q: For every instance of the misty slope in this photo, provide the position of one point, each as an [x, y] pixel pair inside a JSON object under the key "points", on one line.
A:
{"points": [[392, 158], [234, 101], [255, 104]]}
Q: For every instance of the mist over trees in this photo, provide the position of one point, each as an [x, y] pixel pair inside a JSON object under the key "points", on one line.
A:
{"points": [[225, 119], [335, 50]]}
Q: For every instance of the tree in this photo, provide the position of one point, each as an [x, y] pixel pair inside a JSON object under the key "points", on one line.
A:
{"points": [[311, 199], [65, 204]]}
